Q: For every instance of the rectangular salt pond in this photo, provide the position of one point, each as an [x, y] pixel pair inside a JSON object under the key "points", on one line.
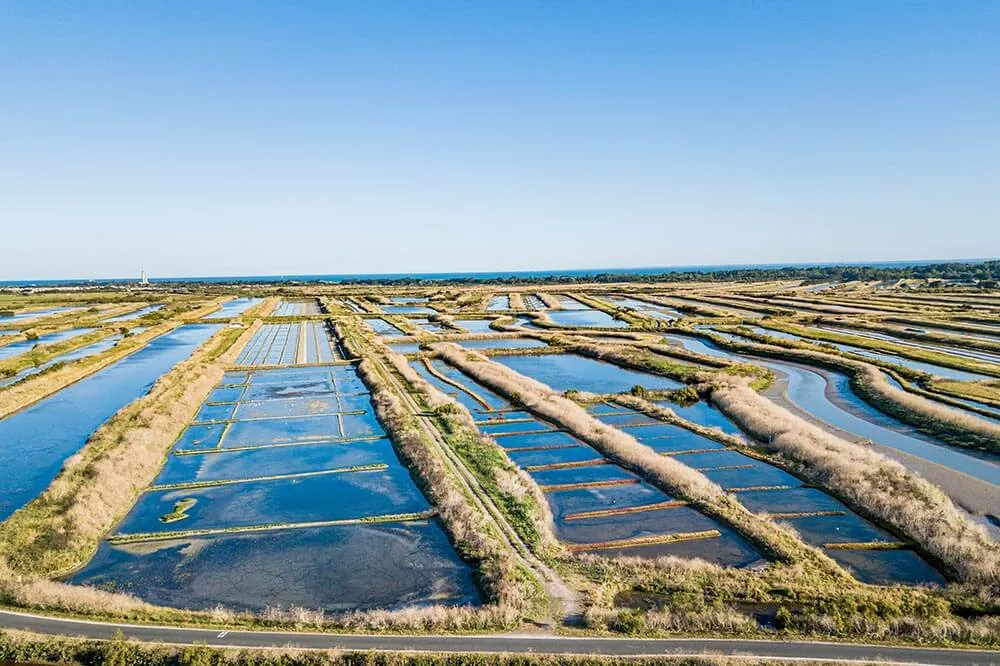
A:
{"points": [[536, 440], [887, 567], [430, 326], [570, 303], [560, 456], [676, 520], [233, 308], [568, 371], [339, 568], [498, 303], [33, 451], [760, 474], [287, 344], [408, 309], [666, 438], [405, 347], [23, 346], [728, 550], [515, 427], [223, 465], [476, 325], [302, 499], [150, 309], [503, 343], [585, 319], [792, 500], [849, 528], [383, 328], [296, 308], [583, 500], [704, 414], [574, 475]]}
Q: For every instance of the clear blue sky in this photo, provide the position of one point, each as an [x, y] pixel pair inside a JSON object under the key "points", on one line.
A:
{"points": [[206, 138]]}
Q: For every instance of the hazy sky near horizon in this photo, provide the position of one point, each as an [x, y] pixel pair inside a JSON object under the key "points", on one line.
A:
{"points": [[247, 138]]}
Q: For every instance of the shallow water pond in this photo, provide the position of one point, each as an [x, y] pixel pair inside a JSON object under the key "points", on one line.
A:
{"points": [[383, 328], [598, 529], [129, 316], [887, 567], [228, 465], [585, 319], [582, 500], [503, 343], [337, 496], [729, 550], [233, 308], [515, 427], [408, 309], [476, 325], [759, 474], [591, 474], [329, 568], [568, 371], [405, 347], [498, 303], [849, 528], [532, 440], [792, 500], [577, 454]]}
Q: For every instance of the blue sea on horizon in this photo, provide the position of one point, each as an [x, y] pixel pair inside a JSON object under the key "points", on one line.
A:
{"points": [[488, 275]]}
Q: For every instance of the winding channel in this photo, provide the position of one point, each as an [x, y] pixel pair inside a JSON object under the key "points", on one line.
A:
{"points": [[808, 390]]}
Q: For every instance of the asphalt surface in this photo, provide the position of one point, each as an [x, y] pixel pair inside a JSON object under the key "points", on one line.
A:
{"points": [[500, 643]]}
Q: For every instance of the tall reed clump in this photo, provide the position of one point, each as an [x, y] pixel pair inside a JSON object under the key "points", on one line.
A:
{"points": [[60, 528], [880, 486], [674, 477], [467, 528]]}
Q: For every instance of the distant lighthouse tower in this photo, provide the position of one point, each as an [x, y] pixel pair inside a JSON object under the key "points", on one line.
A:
{"points": [[142, 277]]}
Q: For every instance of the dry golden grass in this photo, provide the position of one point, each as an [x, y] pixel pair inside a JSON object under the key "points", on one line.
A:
{"points": [[882, 487]]}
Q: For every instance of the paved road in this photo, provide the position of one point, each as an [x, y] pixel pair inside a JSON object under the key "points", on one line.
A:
{"points": [[496, 643]]}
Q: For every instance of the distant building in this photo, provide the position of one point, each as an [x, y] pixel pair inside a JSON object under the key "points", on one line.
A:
{"points": [[142, 278]]}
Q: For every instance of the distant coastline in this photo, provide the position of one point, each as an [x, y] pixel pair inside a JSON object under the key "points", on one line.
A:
{"points": [[486, 276]]}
